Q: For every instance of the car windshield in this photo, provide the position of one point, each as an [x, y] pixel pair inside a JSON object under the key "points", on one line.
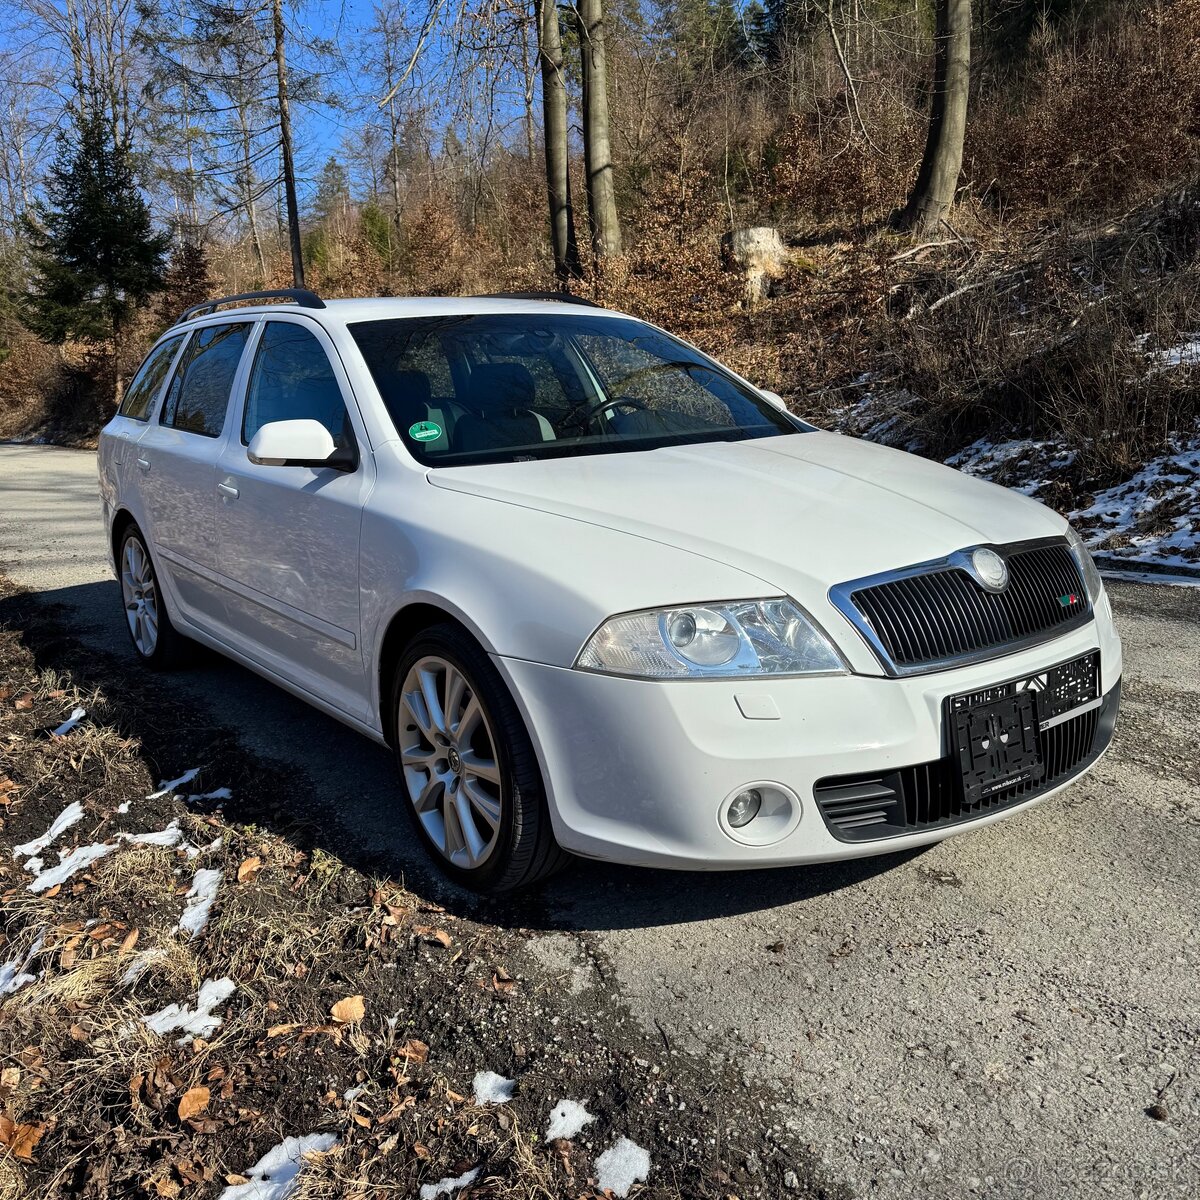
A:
{"points": [[512, 387]]}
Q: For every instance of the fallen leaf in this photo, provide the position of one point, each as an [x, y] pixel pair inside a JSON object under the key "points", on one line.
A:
{"points": [[349, 1010], [249, 868], [130, 941], [10, 1077], [359, 1119], [503, 983], [420, 1150], [193, 1101], [277, 1030], [427, 933], [23, 702], [20, 1139], [236, 1180], [414, 1050], [78, 1033]]}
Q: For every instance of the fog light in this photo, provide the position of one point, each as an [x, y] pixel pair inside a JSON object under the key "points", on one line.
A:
{"points": [[744, 808]]}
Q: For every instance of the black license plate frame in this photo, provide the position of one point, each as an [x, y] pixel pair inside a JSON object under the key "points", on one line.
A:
{"points": [[995, 732]]}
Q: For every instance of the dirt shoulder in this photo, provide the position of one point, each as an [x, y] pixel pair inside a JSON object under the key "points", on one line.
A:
{"points": [[346, 1004]]}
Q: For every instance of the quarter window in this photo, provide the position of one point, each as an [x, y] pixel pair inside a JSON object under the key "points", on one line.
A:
{"points": [[199, 392], [293, 380], [143, 391]]}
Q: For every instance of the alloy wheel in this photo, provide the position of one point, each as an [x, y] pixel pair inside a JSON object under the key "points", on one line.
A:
{"points": [[448, 757], [140, 594]]}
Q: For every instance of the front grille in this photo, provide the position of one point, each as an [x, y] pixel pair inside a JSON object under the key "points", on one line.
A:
{"points": [[938, 614], [860, 808]]}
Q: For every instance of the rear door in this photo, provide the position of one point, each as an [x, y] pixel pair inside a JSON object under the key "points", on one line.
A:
{"points": [[176, 460], [289, 536], [119, 477]]}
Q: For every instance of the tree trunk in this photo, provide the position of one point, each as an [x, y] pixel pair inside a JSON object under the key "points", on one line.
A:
{"points": [[285, 142], [597, 151], [941, 165], [554, 121]]}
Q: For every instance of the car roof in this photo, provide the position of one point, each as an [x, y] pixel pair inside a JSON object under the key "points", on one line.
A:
{"points": [[384, 307]]}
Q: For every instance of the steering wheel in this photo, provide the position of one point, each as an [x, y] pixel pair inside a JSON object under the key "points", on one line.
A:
{"points": [[598, 410]]}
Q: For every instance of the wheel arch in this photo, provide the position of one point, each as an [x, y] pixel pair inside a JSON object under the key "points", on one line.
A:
{"points": [[405, 624], [122, 519]]}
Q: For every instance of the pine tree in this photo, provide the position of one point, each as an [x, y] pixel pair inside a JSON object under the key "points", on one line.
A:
{"points": [[186, 282], [94, 254]]}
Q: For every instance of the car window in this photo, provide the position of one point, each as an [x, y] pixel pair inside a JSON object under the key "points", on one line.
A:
{"points": [[293, 380], [143, 391], [199, 392], [514, 386]]}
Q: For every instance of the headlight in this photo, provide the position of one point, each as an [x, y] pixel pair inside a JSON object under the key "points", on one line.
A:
{"points": [[1087, 568], [743, 639]]}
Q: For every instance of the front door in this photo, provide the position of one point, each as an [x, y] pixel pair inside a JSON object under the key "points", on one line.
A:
{"points": [[289, 536]]}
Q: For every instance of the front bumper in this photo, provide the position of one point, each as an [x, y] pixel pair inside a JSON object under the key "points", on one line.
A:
{"points": [[639, 772]]}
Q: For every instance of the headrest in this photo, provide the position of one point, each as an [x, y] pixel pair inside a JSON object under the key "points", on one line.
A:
{"points": [[407, 391], [499, 388]]}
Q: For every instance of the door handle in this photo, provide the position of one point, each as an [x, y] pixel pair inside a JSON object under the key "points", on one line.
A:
{"points": [[228, 490], [143, 463]]}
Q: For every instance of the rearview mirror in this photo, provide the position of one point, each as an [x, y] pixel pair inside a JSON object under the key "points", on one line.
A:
{"points": [[304, 443]]}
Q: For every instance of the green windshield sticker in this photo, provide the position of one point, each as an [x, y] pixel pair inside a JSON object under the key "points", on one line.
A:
{"points": [[424, 431]]}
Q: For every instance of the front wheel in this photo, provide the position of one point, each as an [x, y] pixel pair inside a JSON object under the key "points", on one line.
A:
{"points": [[470, 774], [157, 642]]}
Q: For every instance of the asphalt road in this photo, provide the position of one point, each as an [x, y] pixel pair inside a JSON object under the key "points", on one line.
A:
{"points": [[991, 1017]]}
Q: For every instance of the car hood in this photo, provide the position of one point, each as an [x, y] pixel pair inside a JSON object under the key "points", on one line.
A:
{"points": [[801, 513]]}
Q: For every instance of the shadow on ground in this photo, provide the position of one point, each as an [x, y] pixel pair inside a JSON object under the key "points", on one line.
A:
{"points": [[325, 787]]}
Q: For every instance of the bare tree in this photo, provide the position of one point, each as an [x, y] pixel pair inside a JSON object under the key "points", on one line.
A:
{"points": [[933, 195], [597, 147], [285, 146], [554, 124]]}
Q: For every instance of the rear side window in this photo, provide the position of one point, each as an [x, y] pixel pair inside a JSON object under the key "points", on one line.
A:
{"points": [[142, 392], [292, 380], [199, 392]]}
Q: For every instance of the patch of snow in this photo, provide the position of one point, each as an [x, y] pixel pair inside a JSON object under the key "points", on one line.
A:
{"points": [[14, 974], [33, 865], [622, 1165], [221, 793], [1025, 464], [200, 900], [69, 864], [76, 716], [169, 785], [1155, 516], [65, 819], [567, 1119], [449, 1185], [491, 1088], [1151, 577], [198, 1022], [171, 836], [274, 1175], [141, 963], [351, 1094], [123, 808], [1182, 354]]}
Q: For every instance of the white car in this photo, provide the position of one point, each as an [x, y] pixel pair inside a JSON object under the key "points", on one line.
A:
{"points": [[598, 593]]}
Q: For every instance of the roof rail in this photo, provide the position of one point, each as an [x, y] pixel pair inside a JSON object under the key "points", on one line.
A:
{"points": [[561, 297], [303, 297]]}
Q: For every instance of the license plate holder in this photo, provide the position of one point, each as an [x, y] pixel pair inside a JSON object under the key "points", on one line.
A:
{"points": [[996, 745], [995, 732]]}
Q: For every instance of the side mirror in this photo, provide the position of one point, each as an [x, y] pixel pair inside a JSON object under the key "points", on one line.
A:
{"points": [[774, 398], [304, 443]]}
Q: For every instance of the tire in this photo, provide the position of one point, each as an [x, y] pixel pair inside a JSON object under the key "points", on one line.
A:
{"points": [[156, 641], [470, 778]]}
